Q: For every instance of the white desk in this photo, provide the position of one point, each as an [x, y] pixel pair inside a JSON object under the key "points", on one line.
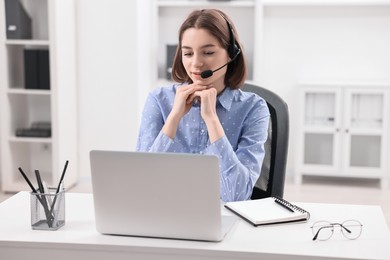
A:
{"points": [[78, 239]]}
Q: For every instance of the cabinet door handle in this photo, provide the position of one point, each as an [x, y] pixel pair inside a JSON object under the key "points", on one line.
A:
{"points": [[347, 131]]}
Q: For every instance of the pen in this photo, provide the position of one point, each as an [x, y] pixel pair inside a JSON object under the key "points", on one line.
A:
{"points": [[39, 181], [62, 176], [55, 208], [31, 186], [60, 185], [48, 214], [284, 206], [27, 180]]}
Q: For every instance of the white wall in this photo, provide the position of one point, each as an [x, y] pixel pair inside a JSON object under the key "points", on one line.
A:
{"points": [[107, 76]]}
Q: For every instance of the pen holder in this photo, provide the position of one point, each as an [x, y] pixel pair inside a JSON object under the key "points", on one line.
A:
{"points": [[48, 210]]}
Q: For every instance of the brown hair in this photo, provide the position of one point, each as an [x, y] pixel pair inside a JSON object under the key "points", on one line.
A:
{"points": [[215, 22]]}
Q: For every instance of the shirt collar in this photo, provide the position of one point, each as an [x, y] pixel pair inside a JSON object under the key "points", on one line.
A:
{"points": [[226, 98]]}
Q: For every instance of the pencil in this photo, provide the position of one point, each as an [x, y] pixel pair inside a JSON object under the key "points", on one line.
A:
{"points": [[27, 180], [62, 176], [59, 186], [48, 213]]}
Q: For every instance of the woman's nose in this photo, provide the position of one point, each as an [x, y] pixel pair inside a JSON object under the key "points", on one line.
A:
{"points": [[197, 60]]}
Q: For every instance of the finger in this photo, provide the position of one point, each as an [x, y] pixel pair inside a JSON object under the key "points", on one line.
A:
{"points": [[192, 97], [195, 87]]}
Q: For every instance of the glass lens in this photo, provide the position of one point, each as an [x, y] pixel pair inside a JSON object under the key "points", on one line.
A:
{"points": [[351, 229], [323, 230]]}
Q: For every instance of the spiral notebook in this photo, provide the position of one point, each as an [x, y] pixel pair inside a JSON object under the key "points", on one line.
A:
{"points": [[271, 210]]}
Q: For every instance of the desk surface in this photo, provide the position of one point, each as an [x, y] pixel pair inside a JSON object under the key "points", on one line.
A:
{"points": [[79, 238]]}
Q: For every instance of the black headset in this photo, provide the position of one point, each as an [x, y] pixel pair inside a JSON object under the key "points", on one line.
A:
{"points": [[233, 49], [233, 52]]}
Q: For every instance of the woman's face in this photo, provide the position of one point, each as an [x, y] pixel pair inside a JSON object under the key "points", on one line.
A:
{"points": [[201, 51]]}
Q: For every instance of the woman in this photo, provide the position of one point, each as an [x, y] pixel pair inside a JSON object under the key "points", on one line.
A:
{"points": [[206, 113]]}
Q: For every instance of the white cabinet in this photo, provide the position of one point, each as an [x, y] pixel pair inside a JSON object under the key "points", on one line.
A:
{"points": [[343, 131], [20, 107]]}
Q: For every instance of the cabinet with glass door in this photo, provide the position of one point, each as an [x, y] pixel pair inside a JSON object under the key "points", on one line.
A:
{"points": [[343, 131]]}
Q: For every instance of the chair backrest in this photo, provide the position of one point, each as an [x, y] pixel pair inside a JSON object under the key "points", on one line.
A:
{"points": [[273, 171]]}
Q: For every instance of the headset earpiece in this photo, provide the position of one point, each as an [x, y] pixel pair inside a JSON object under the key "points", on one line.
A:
{"points": [[233, 49]]}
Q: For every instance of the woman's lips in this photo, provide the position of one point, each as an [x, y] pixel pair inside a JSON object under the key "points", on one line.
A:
{"points": [[197, 75]]}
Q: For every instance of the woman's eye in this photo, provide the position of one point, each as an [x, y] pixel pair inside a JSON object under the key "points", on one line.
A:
{"points": [[191, 53]]}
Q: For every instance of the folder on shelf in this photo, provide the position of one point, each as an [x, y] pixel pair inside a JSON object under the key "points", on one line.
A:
{"points": [[37, 129], [36, 69], [18, 21]]}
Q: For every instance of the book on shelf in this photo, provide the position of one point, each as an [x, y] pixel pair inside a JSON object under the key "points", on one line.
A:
{"points": [[266, 211]]}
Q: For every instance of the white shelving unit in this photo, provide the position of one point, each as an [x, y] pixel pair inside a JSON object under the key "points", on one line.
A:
{"points": [[52, 29], [343, 131]]}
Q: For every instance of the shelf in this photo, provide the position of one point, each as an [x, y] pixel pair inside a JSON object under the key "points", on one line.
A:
{"points": [[373, 175], [367, 109], [319, 109], [22, 91], [343, 84], [204, 4], [326, 2], [318, 129], [28, 42], [366, 131], [270, 3], [42, 140], [353, 131]]}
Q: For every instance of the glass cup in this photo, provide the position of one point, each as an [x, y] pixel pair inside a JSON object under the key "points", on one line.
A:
{"points": [[48, 210]]}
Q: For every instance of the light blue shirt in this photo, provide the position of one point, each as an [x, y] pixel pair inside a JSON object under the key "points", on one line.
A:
{"points": [[244, 117]]}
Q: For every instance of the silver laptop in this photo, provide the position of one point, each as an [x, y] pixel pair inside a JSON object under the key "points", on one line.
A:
{"points": [[165, 195]]}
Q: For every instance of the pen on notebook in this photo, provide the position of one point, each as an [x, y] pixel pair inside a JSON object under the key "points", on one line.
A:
{"points": [[284, 206]]}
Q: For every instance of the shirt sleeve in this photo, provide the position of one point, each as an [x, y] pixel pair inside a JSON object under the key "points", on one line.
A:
{"points": [[150, 136], [240, 167]]}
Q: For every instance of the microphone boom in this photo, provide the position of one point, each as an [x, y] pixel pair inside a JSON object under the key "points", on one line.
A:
{"points": [[208, 73]]}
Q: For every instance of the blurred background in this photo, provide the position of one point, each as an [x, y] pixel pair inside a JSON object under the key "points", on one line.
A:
{"points": [[329, 60]]}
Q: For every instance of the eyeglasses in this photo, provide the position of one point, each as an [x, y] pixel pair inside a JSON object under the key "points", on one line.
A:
{"points": [[323, 230]]}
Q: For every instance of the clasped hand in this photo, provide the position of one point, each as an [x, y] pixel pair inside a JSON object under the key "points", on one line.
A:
{"points": [[186, 95], [184, 98]]}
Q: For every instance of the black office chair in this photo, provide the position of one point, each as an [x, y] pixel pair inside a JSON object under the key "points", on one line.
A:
{"points": [[273, 171]]}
